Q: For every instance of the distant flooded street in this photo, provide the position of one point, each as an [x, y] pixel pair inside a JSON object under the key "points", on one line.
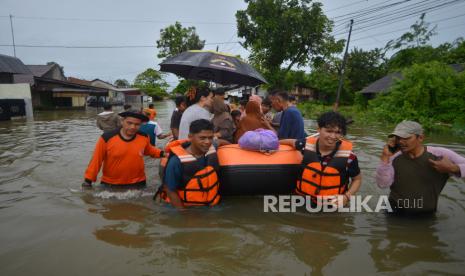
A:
{"points": [[49, 226]]}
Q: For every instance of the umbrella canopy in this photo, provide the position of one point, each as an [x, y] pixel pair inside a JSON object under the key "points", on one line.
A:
{"points": [[212, 66]]}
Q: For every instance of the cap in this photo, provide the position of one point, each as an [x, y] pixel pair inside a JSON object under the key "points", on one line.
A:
{"points": [[406, 129], [135, 114]]}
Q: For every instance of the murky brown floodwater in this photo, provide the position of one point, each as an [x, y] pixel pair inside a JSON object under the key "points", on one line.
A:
{"points": [[50, 227]]}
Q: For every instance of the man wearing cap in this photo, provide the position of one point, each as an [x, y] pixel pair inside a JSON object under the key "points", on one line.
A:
{"points": [[121, 152], [416, 174]]}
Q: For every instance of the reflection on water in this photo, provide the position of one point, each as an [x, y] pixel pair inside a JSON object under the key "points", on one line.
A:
{"points": [[50, 227]]}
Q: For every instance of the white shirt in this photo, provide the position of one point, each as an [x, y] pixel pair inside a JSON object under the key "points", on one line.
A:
{"points": [[192, 113]]}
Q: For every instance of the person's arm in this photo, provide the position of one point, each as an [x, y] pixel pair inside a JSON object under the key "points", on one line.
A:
{"points": [[175, 132], [164, 135], [95, 163], [172, 180], [354, 185], [174, 199], [385, 170], [289, 142], [152, 151], [451, 162], [355, 175]]}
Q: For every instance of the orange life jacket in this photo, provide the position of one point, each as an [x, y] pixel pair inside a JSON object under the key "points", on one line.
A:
{"points": [[164, 160], [200, 185], [330, 180]]}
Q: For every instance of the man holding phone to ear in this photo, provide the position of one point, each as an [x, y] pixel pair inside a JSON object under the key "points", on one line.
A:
{"points": [[415, 173]]}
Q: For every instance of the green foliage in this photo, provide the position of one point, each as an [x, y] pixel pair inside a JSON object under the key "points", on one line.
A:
{"points": [[175, 39], [184, 85], [153, 83], [364, 67], [122, 83], [295, 32], [429, 93], [419, 35]]}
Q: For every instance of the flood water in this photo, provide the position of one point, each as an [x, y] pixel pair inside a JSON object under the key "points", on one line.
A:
{"points": [[48, 226]]}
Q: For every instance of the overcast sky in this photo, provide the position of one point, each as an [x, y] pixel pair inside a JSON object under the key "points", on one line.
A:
{"points": [[138, 23]]}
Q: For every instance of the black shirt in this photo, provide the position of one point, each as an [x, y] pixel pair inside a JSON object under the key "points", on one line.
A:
{"points": [[176, 119]]}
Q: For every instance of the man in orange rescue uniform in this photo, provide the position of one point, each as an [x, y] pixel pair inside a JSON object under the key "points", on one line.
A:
{"points": [[330, 168], [121, 151], [190, 177]]}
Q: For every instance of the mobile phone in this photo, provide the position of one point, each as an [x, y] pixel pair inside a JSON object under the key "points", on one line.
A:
{"points": [[435, 157], [393, 149]]}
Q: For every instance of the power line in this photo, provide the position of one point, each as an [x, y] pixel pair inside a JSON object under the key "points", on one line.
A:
{"points": [[391, 15], [119, 20], [98, 47], [402, 29], [403, 17], [445, 27]]}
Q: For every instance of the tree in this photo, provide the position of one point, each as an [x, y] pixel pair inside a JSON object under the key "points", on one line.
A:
{"points": [[428, 92], [364, 67], [122, 83], [175, 39], [153, 83], [291, 32], [419, 35]]}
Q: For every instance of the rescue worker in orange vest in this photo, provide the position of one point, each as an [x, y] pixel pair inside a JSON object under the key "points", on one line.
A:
{"points": [[330, 168], [190, 177], [121, 151]]}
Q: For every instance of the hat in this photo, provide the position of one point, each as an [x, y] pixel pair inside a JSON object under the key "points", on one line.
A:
{"points": [[406, 129], [135, 114]]}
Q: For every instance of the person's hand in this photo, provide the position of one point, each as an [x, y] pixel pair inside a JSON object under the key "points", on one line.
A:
{"points": [[444, 165], [87, 184], [336, 200], [387, 154]]}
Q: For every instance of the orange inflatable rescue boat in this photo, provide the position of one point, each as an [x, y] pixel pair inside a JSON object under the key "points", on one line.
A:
{"points": [[244, 172]]}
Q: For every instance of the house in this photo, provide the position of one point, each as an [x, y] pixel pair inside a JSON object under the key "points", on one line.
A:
{"points": [[120, 96], [304, 94], [15, 99], [51, 89], [385, 83]]}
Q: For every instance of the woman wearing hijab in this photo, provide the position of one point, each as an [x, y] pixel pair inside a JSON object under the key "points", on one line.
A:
{"points": [[253, 120], [222, 120]]}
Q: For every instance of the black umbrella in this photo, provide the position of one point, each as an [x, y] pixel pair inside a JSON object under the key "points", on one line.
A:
{"points": [[212, 66]]}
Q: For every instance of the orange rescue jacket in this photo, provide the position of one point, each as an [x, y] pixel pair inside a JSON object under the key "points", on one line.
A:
{"points": [[330, 180], [200, 185]]}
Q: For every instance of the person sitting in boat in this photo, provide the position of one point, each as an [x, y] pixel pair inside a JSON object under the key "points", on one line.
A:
{"points": [[222, 121], [121, 152], [253, 120], [291, 124], [330, 166], [190, 176]]}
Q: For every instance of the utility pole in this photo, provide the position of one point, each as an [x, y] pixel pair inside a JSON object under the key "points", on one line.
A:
{"points": [[341, 72], [12, 34]]}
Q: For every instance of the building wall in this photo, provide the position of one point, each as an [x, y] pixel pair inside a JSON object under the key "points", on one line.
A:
{"points": [[18, 91], [77, 99]]}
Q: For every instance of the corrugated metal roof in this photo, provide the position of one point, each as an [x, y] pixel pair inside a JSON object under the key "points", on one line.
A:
{"points": [[34, 71], [384, 83], [12, 65], [40, 70]]}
